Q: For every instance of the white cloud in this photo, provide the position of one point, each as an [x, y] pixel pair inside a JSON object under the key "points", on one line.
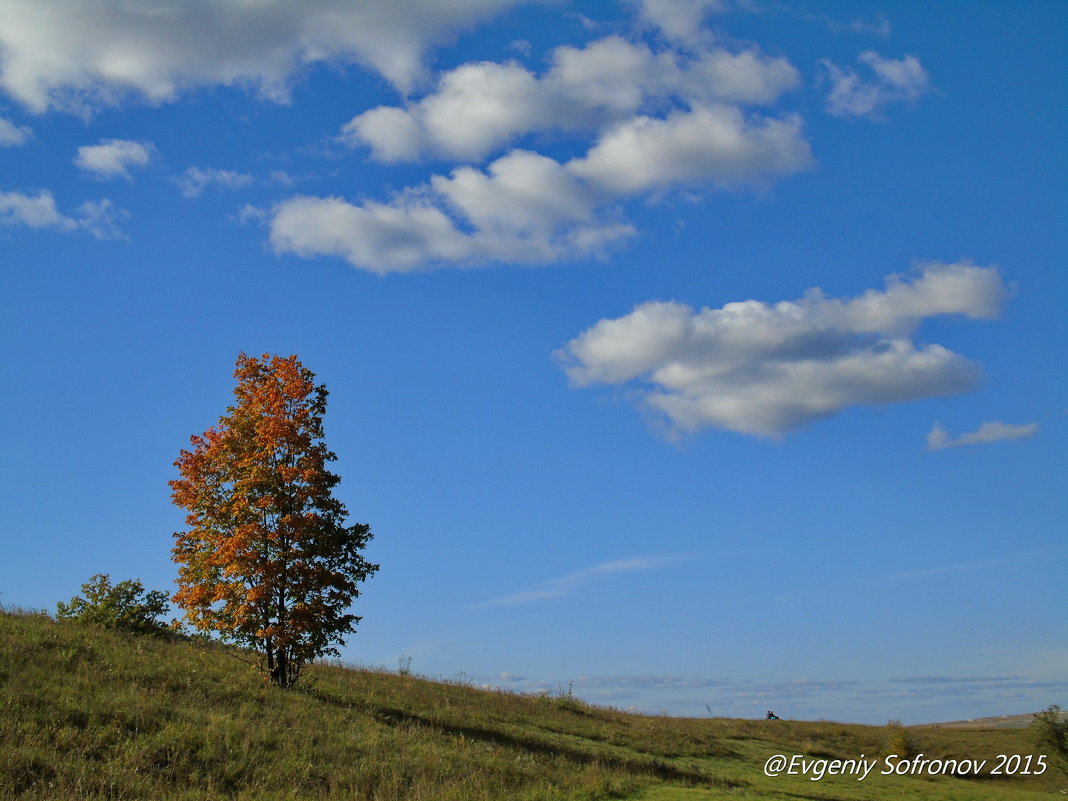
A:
{"points": [[656, 121], [38, 211], [81, 56], [568, 584], [876, 25], [101, 219], [475, 109], [249, 213], [112, 158], [938, 438], [526, 208], [680, 20], [520, 192], [765, 369], [479, 107], [716, 145], [11, 134], [377, 237], [195, 180], [893, 81], [98, 218]]}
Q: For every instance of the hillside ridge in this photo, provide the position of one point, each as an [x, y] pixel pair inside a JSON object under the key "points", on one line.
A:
{"points": [[94, 714]]}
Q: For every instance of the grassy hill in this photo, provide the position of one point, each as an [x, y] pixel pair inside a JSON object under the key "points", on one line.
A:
{"points": [[92, 714], [999, 722]]}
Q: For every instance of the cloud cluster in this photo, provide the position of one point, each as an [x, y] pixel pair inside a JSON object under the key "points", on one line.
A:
{"points": [[646, 121], [995, 431], [478, 108], [112, 158], [528, 208], [684, 110], [99, 218], [893, 81], [81, 56], [765, 369]]}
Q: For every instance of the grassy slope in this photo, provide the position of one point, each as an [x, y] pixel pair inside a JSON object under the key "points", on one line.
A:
{"points": [[89, 714]]}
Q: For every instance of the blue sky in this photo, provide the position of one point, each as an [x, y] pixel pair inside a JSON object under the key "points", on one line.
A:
{"points": [[706, 354]]}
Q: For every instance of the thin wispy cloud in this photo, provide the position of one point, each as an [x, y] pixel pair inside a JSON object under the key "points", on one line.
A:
{"points": [[949, 569], [901, 80], [876, 25], [195, 180], [650, 682], [1044, 554], [954, 679], [571, 582], [98, 218], [995, 431], [966, 567], [12, 135]]}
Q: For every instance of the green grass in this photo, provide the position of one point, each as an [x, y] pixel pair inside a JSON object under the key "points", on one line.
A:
{"points": [[92, 714]]}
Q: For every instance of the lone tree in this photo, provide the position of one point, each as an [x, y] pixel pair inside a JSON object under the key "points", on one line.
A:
{"points": [[268, 561]]}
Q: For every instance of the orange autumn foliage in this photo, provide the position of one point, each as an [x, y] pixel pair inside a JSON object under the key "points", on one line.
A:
{"points": [[267, 560]]}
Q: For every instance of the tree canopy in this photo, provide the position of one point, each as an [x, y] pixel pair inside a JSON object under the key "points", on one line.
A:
{"points": [[126, 606], [267, 560]]}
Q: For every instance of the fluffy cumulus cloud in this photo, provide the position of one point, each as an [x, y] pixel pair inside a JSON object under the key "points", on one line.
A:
{"points": [[413, 232], [528, 208], [765, 369], [891, 81], [645, 121], [480, 107], [718, 145], [80, 56], [99, 218], [195, 180], [112, 158], [995, 431], [378, 237]]}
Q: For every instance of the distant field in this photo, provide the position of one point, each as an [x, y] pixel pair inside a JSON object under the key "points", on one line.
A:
{"points": [[91, 715], [998, 722]]}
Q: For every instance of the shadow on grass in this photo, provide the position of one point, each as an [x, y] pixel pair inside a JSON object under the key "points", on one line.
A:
{"points": [[657, 768], [652, 767]]}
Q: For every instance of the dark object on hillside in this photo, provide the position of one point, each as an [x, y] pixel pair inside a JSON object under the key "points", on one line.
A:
{"points": [[771, 716]]}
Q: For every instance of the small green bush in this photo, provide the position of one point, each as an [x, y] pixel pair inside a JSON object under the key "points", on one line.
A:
{"points": [[900, 741], [125, 606], [1049, 730]]}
